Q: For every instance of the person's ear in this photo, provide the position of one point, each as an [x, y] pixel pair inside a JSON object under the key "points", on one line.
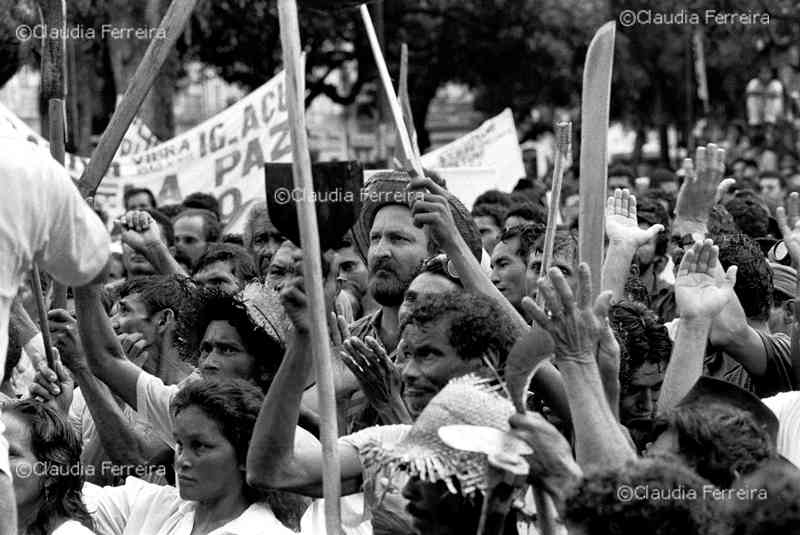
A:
{"points": [[163, 319], [788, 311]]}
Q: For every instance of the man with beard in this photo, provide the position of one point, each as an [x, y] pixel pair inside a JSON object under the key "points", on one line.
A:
{"points": [[261, 237], [449, 335], [195, 229]]}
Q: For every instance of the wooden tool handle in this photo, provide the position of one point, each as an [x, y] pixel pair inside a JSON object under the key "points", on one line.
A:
{"points": [[159, 48], [312, 264]]}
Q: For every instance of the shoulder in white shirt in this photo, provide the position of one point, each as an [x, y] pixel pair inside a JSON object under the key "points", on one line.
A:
{"points": [[786, 407]]}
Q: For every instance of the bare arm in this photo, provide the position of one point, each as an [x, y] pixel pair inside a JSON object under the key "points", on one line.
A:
{"points": [[577, 329], [702, 290], [624, 238], [104, 353], [281, 456], [435, 212], [122, 444], [142, 234], [731, 333]]}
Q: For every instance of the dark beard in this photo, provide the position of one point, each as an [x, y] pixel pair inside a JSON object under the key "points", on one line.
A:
{"points": [[387, 291]]}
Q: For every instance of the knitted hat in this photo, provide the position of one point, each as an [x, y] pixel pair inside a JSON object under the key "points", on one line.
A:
{"points": [[468, 400], [388, 188], [784, 278]]}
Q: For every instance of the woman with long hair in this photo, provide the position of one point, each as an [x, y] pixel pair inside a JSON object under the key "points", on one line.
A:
{"points": [[44, 455]]}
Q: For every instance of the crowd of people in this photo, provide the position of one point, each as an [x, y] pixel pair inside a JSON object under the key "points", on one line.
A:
{"points": [[482, 384]]}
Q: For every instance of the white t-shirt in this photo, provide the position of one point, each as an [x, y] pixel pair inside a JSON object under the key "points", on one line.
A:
{"points": [[43, 218], [141, 508], [153, 399], [72, 527], [786, 407]]}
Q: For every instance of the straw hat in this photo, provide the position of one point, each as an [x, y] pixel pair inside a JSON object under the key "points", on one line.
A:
{"points": [[264, 308], [388, 188], [468, 400]]}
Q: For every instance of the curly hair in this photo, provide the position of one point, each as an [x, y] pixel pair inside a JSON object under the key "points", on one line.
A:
{"points": [[496, 211], [720, 221], [55, 444], [754, 279], [750, 217], [777, 512], [599, 507], [528, 235], [719, 442], [210, 305], [477, 326], [641, 338], [234, 405]]}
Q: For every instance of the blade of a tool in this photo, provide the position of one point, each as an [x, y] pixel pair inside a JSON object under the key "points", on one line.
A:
{"points": [[594, 149]]}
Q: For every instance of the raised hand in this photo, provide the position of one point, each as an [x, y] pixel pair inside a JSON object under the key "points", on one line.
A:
{"points": [[64, 333], [702, 289], [54, 387], [140, 231], [622, 225], [789, 222], [576, 326], [698, 192], [430, 207], [378, 377], [552, 466]]}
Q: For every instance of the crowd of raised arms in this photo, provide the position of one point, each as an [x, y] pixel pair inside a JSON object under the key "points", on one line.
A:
{"points": [[182, 399]]}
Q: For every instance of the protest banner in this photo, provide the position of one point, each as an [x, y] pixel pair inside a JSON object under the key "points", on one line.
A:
{"points": [[224, 155], [493, 144]]}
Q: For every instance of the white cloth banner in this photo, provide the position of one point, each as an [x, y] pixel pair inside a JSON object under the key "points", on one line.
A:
{"points": [[224, 155], [493, 144]]}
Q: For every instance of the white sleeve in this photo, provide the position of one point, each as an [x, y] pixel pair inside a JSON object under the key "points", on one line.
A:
{"points": [[153, 399], [111, 507], [75, 245]]}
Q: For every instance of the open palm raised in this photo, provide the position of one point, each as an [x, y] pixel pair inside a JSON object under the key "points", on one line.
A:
{"points": [[622, 225], [702, 289]]}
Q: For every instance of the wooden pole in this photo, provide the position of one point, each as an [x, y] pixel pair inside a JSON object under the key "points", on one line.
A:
{"points": [[157, 51], [391, 97], [563, 142], [54, 91], [312, 265]]}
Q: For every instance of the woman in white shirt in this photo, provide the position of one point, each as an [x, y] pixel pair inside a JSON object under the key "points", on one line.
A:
{"points": [[44, 455], [213, 420]]}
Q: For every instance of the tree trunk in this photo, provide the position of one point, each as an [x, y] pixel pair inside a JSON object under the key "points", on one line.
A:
{"points": [[126, 53], [638, 145]]}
